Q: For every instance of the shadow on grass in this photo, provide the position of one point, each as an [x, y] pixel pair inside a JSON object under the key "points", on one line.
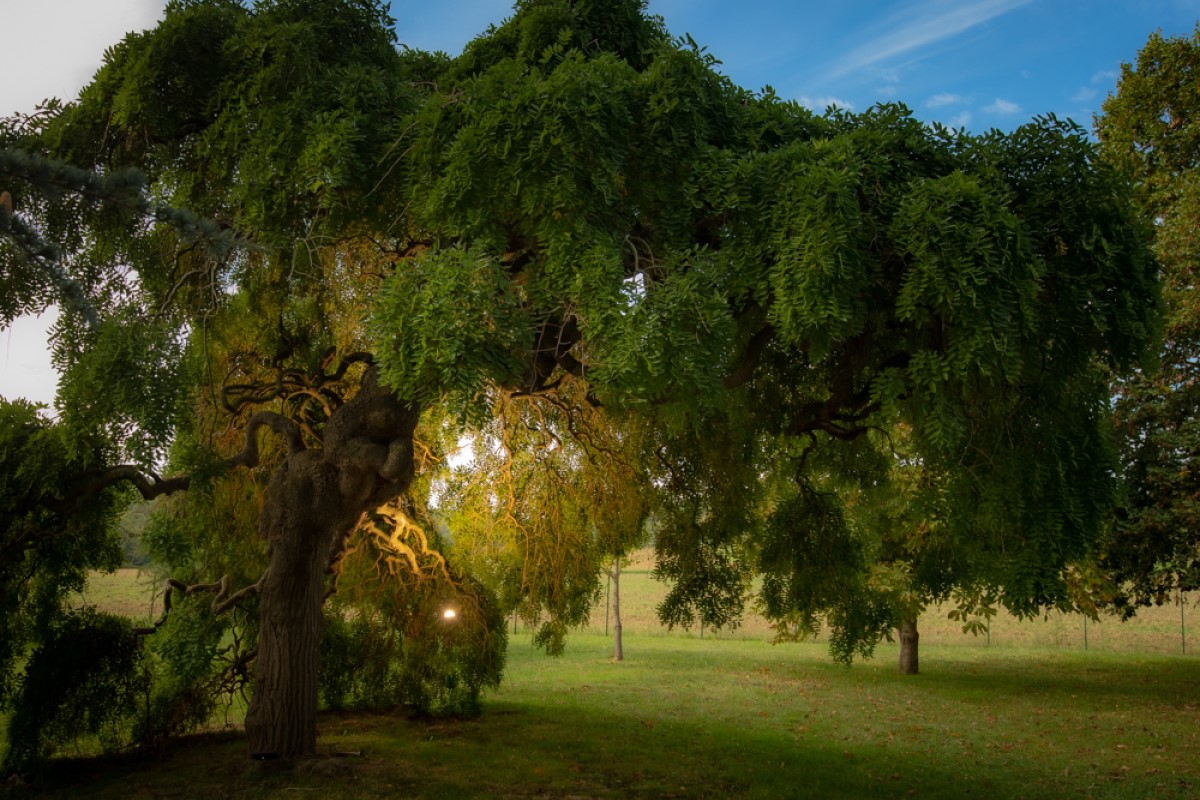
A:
{"points": [[1100, 679], [519, 752]]}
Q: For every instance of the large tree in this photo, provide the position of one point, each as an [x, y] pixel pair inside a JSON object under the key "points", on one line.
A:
{"points": [[582, 212], [770, 287], [269, 121], [1149, 127]]}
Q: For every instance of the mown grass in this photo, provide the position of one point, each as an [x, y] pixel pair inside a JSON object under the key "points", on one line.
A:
{"points": [[737, 717], [719, 718]]}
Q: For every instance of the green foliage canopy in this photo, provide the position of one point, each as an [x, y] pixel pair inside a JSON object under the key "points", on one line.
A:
{"points": [[733, 267]]}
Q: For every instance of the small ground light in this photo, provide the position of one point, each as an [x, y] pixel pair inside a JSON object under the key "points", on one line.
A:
{"points": [[449, 614]]}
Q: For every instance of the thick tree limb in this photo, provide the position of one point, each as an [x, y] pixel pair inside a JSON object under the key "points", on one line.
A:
{"points": [[150, 486], [744, 371], [278, 423], [551, 351]]}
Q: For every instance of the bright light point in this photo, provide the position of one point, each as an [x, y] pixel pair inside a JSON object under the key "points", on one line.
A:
{"points": [[449, 613]]}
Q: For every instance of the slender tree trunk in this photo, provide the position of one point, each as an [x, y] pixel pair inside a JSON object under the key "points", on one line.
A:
{"points": [[618, 648], [908, 646], [316, 497]]}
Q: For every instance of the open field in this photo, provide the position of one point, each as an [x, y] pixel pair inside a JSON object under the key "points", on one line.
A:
{"points": [[1155, 630], [734, 716]]}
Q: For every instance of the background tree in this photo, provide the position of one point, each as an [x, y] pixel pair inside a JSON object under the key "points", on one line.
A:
{"points": [[1149, 127], [44, 553], [61, 502]]}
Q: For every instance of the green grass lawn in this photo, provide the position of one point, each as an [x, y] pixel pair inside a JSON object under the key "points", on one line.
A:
{"points": [[720, 718], [734, 716]]}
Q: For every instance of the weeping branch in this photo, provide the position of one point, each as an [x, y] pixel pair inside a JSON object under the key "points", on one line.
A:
{"points": [[123, 189]]}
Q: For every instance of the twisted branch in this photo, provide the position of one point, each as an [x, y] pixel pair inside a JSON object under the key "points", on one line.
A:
{"points": [[222, 601], [289, 382], [151, 486]]}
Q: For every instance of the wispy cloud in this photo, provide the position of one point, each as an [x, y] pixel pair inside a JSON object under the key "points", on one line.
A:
{"points": [[961, 120], [921, 24], [1084, 94], [822, 103], [1000, 106], [944, 99], [1105, 75]]}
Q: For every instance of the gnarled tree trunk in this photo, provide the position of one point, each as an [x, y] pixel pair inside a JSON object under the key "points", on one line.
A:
{"points": [[908, 646], [314, 499]]}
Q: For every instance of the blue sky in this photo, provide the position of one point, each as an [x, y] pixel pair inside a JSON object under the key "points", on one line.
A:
{"points": [[978, 64]]}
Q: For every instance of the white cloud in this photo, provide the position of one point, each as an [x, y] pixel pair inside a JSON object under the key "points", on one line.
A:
{"points": [[944, 99], [1084, 94], [822, 103], [1106, 76], [961, 120], [1002, 107], [59, 44], [921, 24]]}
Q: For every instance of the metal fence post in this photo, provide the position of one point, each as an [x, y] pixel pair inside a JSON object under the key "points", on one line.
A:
{"points": [[1182, 628]]}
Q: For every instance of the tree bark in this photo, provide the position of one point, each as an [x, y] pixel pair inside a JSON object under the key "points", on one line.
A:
{"points": [[618, 647], [315, 497], [908, 646]]}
